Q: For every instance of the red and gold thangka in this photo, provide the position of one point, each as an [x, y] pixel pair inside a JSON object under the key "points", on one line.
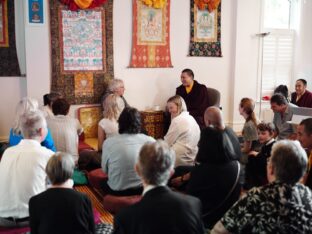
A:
{"points": [[211, 5], [4, 34], [75, 5], [150, 39]]}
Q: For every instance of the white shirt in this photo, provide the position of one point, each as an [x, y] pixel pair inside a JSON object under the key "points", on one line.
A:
{"points": [[183, 136], [65, 131], [22, 175], [110, 127], [47, 112]]}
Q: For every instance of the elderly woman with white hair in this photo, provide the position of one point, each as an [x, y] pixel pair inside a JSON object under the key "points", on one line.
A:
{"points": [[282, 206], [115, 86], [183, 134], [25, 105]]}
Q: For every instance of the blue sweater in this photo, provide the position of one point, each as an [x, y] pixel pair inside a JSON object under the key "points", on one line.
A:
{"points": [[48, 141]]}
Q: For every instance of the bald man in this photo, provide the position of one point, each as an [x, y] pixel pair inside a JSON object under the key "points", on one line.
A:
{"points": [[214, 121]]}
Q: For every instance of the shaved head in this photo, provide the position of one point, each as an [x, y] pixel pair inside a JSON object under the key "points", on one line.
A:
{"points": [[213, 116]]}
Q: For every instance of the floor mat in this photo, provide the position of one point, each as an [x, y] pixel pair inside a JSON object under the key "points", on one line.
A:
{"points": [[105, 216]]}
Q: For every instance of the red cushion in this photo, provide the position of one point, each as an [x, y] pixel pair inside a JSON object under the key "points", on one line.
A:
{"points": [[83, 146], [17, 230], [113, 204], [96, 178]]}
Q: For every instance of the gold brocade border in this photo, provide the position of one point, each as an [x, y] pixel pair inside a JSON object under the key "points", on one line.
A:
{"points": [[215, 36], [5, 36], [139, 21]]}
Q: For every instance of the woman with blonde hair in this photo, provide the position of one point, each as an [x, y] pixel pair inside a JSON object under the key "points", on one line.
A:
{"points": [[249, 132], [184, 132], [25, 105], [107, 127]]}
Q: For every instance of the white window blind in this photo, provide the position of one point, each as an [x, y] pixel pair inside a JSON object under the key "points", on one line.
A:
{"points": [[277, 67]]}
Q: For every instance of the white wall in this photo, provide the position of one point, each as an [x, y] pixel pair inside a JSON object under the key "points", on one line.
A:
{"points": [[234, 75], [303, 53], [148, 87]]}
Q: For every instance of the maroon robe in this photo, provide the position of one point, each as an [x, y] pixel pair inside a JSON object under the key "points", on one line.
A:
{"points": [[196, 101], [304, 101]]}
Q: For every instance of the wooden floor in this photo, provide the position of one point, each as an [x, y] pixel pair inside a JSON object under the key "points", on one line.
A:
{"points": [[105, 216]]}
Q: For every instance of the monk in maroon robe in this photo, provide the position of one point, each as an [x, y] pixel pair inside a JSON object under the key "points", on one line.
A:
{"points": [[195, 96], [302, 97]]}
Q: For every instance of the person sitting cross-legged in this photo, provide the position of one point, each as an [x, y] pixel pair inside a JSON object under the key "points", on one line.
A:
{"points": [[161, 210], [120, 153], [22, 172], [282, 206], [60, 209], [65, 129]]}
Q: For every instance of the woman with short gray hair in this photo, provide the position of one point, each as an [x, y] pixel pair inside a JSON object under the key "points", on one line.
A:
{"points": [[282, 206], [115, 86], [60, 209]]}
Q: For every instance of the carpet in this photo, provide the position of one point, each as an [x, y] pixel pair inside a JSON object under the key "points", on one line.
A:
{"points": [[105, 216]]}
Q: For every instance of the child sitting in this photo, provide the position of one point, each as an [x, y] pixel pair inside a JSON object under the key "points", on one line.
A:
{"points": [[256, 174]]}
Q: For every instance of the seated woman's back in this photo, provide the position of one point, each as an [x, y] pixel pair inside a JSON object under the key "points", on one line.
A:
{"points": [[61, 210], [215, 179]]}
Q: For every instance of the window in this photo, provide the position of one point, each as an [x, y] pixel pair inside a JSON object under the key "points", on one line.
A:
{"points": [[277, 67], [276, 56]]}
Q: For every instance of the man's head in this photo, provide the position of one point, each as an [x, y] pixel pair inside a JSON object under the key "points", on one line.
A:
{"points": [[304, 133], [116, 86], [301, 85], [213, 117], [187, 77], [288, 162], [49, 98], [155, 163], [60, 107], [34, 126], [129, 121], [278, 103]]}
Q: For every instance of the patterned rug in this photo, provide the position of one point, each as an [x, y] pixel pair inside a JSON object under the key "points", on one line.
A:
{"points": [[105, 216]]}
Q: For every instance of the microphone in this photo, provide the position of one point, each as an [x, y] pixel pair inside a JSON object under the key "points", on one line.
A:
{"points": [[264, 34]]}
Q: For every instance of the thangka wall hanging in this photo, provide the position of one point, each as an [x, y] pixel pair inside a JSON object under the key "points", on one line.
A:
{"points": [[82, 50], [205, 37], [151, 38], [9, 64]]}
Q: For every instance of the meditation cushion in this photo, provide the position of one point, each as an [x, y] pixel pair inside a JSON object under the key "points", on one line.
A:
{"points": [[96, 178], [16, 230], [113, 204]]}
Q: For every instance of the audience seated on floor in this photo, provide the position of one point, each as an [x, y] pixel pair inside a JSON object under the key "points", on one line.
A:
{"points": [[282, 115], [215, 177], [160, 210], [22, 173], [304, 134], [60, 209], [256, 173], [25, 105], [107, 127], [64, 129], [48, 100], [120, 152], [282, 206], [183, 134], [302, 97]]}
